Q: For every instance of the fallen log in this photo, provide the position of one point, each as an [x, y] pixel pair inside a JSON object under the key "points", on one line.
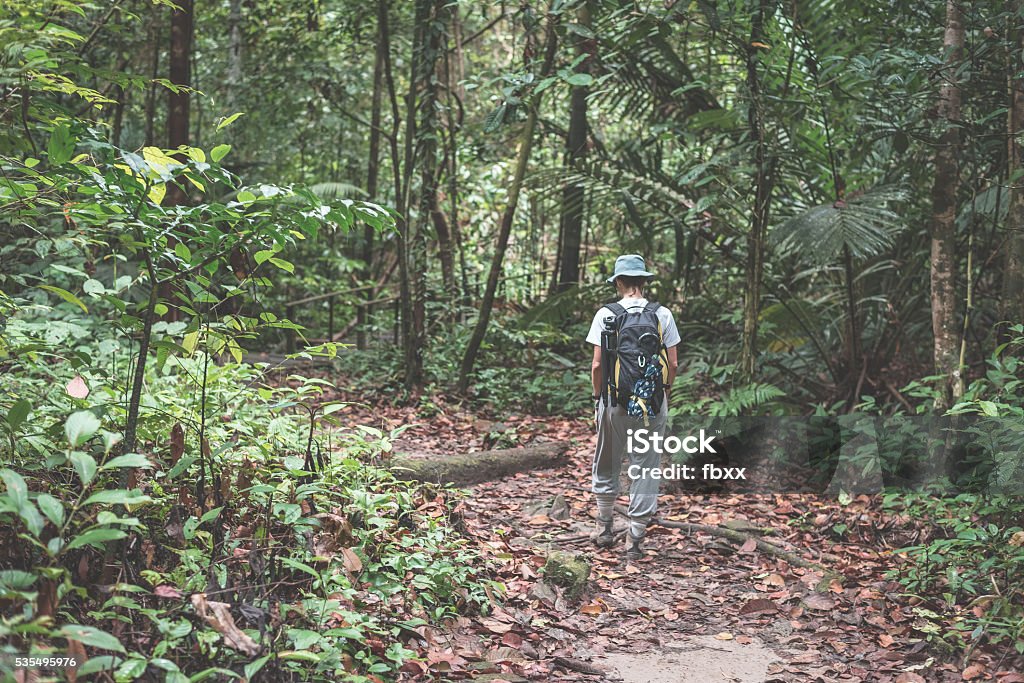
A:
{"points": [[473, 468]]}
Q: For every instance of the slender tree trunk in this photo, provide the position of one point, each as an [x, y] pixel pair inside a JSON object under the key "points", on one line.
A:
{"points": [[180, 74], [505, 231], [235, 51], [762, 198], [445, 240], [571, 219], [154, 73], [942, 224], [421, 147], [1012, 308], [373, 164]]}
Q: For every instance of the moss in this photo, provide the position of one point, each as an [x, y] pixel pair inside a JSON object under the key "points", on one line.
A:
{"points": [[568, 571]]}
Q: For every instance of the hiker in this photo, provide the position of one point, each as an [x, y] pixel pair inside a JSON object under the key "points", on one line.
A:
{"points": [[629, 394]]}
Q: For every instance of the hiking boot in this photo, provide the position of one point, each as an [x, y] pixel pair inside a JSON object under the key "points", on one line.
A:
{"points": [[603, 537], [633, 549]]}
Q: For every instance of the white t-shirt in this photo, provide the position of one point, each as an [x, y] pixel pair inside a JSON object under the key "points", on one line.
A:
{"points": [[669, 332]]}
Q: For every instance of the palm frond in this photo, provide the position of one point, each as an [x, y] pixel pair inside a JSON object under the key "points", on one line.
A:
{"points": [[337, 190], [865, 226]]}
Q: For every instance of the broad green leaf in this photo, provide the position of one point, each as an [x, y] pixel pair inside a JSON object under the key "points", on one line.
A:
{"points": [[51, 507], [66, 295], [17, 413], [157, 193], [580, 79], [80, 427], [61, 146], [96, 537], [127, 460], [299, 655], [130, 669], [31, 517], [183, 252], [210, 514], [97, 664], [92, 286], [92, 636], [283, 265], [228, 120], [85, 466], [253, 667], [989, 408], [219, 152], [246, 197], [190, 341], [117, 497], [17, 489], [16, 579]]}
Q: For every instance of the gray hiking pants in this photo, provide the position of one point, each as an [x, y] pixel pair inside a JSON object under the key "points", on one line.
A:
{"points": [[612, 439]]}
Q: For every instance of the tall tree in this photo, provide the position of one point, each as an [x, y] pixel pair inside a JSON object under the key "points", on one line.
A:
{"points": [[179, 73], [505, 230], [421, 151], [942, 223], [1012, 309], [570, 224], [373, 162], [762, 192]]}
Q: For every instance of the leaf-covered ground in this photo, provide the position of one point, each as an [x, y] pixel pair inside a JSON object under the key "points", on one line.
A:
{"points": [[698, 607]]}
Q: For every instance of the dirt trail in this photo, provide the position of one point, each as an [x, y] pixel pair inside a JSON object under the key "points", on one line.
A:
{"points": [[697, 609]]}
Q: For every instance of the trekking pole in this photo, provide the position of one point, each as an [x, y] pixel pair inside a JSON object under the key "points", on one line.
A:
{"points": [[609, 339]]}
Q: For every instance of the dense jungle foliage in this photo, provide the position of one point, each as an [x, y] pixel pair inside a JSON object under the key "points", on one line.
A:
{"points": [[427, 197]]}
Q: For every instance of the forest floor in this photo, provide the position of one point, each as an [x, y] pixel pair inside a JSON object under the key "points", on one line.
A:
{"points": [[697, 608]]}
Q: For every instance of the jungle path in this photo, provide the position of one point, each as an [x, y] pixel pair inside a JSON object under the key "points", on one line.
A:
{"points": [[698, 608]]}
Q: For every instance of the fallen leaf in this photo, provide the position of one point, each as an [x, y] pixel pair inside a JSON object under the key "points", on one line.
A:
{"points": [[909, 677], [218, 616], [819, 602], [973, 671], [749, 546], [177, 442], [351, 561], [757, 606], [885, 640], [165, 591], [495, 626], [724, 635]]}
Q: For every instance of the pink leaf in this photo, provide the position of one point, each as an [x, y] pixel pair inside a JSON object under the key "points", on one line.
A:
{"points": [[77, 388]]}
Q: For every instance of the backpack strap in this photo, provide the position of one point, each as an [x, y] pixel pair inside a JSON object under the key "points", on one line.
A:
{"points": [[651, 307], [616, 308]]}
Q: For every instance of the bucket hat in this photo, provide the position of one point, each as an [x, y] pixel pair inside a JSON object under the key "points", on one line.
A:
{"points": [[630, 265]]}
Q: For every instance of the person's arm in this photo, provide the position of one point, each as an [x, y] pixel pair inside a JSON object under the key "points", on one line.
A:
{"points": [[595, 371], [673, 365]]}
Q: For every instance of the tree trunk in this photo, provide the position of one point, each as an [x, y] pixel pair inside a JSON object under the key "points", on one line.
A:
{"points": [[235, 51], [179, 73], [762, 199], [1012, 305], [505, 231], [942, 225], [570, 227], [373, 164], [422, 129]]}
